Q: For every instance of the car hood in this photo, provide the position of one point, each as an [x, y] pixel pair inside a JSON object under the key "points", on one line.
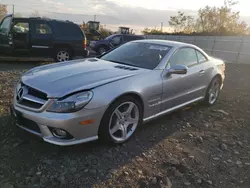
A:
{"points": [[60, 79]]}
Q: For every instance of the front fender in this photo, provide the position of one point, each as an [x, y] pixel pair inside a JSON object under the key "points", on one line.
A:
{"points": [[148, 86]]}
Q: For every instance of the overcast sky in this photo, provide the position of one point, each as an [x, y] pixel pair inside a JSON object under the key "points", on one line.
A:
{"points": [[134, 13]]}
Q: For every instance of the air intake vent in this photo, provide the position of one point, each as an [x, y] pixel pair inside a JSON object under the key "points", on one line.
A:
{"points": [[125, 68], [92, 60]]}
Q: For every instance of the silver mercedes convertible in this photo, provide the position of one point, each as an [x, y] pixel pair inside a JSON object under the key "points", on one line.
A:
{"points": [[109, 96]]}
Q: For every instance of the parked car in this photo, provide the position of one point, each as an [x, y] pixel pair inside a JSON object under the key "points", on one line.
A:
{"points": [[108, 97], [112, 41], [40, 37]]}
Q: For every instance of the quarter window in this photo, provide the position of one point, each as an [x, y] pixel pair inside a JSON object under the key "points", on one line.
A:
{"points": [[116, 40], [128, 38], [184, 56], [201, 57], [43, 29]]}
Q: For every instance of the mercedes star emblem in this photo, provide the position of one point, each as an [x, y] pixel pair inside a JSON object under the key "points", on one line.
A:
{"points": [[21, 92]]}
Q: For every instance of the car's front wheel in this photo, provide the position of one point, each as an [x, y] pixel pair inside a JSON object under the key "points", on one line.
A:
{"points": [[120, 120]]}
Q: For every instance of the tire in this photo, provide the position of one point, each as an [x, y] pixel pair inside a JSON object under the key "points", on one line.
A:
{"points": [[213, 89], [102, 49], [65, 54], [111, 131]]}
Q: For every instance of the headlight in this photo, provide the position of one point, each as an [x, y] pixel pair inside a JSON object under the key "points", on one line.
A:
{"points": [[71, 104]]}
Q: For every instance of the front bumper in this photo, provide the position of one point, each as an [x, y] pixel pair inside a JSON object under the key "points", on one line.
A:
{"points": [[42, 123]]}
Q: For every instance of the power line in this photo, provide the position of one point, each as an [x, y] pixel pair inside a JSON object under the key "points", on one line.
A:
{"points": [[44, 6], [42, 10], [13, 5], [36, 9]]}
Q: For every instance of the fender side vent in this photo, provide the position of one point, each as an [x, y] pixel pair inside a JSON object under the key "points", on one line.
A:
{"points": [[92, 60], [125, 68]]}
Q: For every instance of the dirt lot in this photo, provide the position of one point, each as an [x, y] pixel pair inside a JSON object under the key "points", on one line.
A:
{"points": [[194, 147]]}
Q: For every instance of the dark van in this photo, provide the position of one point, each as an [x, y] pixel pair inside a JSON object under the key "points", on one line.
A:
{"points": [[42, 37]]}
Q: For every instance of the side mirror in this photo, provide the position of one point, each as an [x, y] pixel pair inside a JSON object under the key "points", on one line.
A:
{"points": [[177, 69]]}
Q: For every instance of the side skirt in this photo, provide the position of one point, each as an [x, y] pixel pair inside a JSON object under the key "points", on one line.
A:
{"points": [[171, 109]]}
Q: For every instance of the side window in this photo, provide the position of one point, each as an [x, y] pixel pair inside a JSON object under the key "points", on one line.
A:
{"points": [[5, 26], [116, 40], [130, 38], [127, 38], [184, 56], [201, 57], [62, 29], [43, 29], [21, 27]]}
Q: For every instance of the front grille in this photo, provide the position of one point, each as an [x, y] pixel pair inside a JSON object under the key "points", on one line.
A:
{"points": [[31, 125], [37, 93], [30, 104], [32, 98]]}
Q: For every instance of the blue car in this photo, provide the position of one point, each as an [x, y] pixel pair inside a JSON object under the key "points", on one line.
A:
{"points": [[112, 41]]}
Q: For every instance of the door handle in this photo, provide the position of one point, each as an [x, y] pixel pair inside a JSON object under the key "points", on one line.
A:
{"points": [[202, 71]]}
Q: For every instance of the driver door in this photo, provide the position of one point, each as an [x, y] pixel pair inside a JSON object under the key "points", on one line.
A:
{"points": [[6, 42], [21, 36], [179, 90]]}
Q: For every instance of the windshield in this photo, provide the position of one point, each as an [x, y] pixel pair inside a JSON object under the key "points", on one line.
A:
{"points": [[109, 37], [138, 54]]}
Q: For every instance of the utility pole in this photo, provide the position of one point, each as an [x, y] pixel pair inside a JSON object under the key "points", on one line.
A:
{"points": [[161, 26], [13, 9], [94, 17]]}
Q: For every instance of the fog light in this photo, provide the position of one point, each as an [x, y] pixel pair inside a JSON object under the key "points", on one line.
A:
{"points": [[59, 133]]}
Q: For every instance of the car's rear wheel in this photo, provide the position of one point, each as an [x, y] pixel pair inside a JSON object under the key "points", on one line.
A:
{"points": [[63, 55], [120, 120], [213, 91]]}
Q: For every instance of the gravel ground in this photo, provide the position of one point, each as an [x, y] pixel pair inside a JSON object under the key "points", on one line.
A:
{"points": [[193, 147]]}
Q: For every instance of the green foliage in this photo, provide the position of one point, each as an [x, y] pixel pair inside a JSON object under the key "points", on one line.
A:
{"points": [[211, 21], [105, 32], [182, 22], [222, 20], [147, 31]]}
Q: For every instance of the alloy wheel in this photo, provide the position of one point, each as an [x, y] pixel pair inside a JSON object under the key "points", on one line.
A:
{"points": [[123, 121], [62, 56], [214, 91]]}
